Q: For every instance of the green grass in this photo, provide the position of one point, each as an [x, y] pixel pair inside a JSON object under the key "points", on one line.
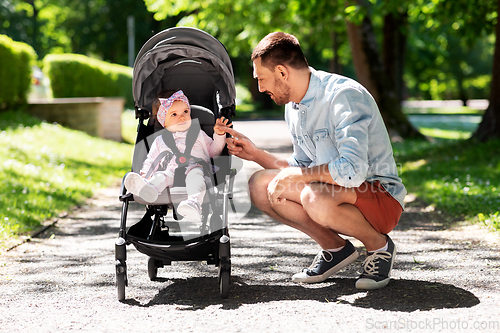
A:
{"points": [[46, 169], [445, 134], [445, 110], [460, 177]]}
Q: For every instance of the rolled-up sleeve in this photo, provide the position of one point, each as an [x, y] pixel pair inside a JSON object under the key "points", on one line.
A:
{"points": [[350, 116]]}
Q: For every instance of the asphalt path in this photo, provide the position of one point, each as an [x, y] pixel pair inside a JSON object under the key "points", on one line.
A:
{"points": [[445, 278]]}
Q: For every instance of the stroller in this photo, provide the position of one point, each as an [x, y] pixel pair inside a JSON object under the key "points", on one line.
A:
{"points": [[197, 63]]}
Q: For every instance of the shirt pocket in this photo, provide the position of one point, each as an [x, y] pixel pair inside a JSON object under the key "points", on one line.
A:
{"points": [[326, 150]]}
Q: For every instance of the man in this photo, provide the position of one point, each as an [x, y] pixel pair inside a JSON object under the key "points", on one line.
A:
{"points": [[341, 177]]}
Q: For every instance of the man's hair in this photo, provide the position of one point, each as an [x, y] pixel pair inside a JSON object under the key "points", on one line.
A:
{"points": [[280, 48]]}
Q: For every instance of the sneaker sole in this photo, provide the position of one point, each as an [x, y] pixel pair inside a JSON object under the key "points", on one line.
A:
{"points": [[149, 194], [134, 183], [369, 284], [189, 214], [304, 278]]}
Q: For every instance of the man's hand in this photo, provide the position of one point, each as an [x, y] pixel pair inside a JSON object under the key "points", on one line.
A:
{"points": [[291, 176], [241, 146]]}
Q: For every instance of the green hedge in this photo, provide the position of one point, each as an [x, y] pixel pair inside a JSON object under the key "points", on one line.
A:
{"points": [[75, 75], [16, 61]]}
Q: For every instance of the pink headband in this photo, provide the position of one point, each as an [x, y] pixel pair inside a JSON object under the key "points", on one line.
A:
{"points": [[166, 103]]}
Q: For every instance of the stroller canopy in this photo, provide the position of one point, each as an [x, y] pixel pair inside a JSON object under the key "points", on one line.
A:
{"points": [[188, 59]]}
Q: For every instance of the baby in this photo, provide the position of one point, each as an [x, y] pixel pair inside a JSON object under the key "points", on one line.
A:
{"points": [[174, 114]]}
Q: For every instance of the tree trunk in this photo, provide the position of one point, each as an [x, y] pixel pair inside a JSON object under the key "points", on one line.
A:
{"points": [[394, 50], [489, 128], [359, 58], [372, 74]]}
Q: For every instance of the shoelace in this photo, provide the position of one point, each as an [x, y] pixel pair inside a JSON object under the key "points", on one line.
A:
{"points": [[370, 265], [316, 260]]}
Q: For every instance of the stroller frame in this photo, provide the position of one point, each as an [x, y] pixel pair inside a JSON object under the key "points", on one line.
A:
{"points": [[181, 49]]}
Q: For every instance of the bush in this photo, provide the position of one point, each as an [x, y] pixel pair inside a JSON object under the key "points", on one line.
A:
{"points": [[16, 61], [75, 75]]}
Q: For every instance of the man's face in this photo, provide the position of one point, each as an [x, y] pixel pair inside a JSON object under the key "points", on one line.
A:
{"points": [[271, 83]]}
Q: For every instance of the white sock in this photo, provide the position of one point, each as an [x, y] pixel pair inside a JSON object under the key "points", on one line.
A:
{"points": [[382, 248], [336, 249]]}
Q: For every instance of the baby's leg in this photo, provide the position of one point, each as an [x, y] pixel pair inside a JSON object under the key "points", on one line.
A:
{"points": [[195, 184], [161, 180], [190, 209]]}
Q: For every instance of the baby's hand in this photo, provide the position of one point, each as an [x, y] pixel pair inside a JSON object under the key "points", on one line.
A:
{"points": [[221, 124]]}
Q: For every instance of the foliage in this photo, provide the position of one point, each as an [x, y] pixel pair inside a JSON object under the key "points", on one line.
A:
{"points": [[74, 75], [450, 54], [96, 28], [17, 60], [449, 42], [240, 25], [46, 169], [449, 51]]}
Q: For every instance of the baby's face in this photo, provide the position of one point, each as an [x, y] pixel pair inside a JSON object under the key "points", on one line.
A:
{"points": [[178, 117]]}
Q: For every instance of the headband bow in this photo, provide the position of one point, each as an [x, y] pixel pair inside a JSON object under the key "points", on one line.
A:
{"points": [[166, 103]]}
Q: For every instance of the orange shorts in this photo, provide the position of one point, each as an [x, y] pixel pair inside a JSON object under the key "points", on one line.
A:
{"points": [[378, 207]]}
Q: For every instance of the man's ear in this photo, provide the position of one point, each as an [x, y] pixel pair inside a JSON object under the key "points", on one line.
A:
{"points": [[283, 72]]}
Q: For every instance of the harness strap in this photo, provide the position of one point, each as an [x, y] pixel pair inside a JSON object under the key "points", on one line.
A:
{"points": [[183, 158], [156, 162]]}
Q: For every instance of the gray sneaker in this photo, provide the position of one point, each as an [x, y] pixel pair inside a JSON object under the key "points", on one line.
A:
{"points": [[377, 268], [327, 263]]}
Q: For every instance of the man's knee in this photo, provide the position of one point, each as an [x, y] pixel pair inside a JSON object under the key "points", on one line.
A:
{"points": [[310, 198], [257, 185]]}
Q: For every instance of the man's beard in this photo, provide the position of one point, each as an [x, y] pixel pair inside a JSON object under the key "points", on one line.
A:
{"points": [[284, 94]]}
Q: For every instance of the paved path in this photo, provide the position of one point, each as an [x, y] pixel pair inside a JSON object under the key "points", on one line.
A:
{"points": [[445, 278]]}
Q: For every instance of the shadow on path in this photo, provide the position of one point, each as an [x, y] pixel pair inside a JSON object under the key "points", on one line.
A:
{"points": [[403, 296]]}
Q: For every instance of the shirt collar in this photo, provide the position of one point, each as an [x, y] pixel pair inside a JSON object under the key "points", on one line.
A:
{"points": [[311, 91]]}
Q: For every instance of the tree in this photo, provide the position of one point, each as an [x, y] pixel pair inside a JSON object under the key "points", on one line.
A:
{"points": [[319, 25], [382, 74], [489, 128], [471, 19], [96, 28]]}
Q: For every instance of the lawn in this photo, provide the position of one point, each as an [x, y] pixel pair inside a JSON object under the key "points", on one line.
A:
{"points": [[46, 169], [457, 176]]}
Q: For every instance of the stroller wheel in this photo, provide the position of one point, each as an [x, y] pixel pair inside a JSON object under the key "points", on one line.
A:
{"points": [[121, 281], [152, 269], [224, 280]]}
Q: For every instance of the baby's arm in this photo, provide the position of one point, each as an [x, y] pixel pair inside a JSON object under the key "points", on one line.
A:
{"points": [[153, 153], [216, 145]]}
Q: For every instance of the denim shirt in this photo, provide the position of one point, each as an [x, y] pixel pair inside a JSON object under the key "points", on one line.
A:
{"points": [[338, 123]]}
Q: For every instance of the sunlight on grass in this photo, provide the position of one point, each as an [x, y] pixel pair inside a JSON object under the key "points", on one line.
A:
{"points": [[445, 134], [457, 176], [47, 169]]}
